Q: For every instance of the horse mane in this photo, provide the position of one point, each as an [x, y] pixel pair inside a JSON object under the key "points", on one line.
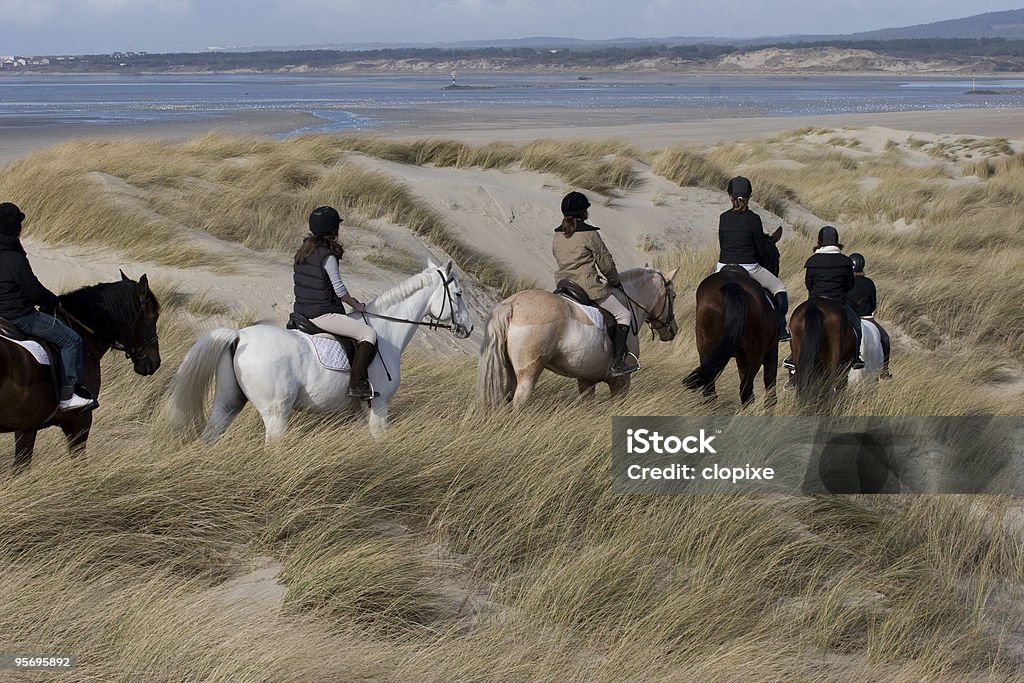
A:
{"points": [[105, 307], [403, 289]]}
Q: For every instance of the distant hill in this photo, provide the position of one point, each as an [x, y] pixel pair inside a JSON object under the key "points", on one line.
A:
{"points": [[1008, 24]]}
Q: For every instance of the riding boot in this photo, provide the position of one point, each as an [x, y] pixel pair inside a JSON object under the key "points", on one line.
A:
{"points": [[781, 306], [619, 364], [359, 385]]}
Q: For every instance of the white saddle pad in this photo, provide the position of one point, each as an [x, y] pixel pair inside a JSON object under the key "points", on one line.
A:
{"points": [[592, 313], [33, 347], [329, 353]]}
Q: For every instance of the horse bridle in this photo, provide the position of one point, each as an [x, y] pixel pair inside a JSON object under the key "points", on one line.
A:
{"points": [[433, 323], [132, 353], [663, 319]]}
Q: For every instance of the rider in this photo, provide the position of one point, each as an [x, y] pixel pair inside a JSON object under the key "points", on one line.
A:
{"points": [[864, 299], [21, 292], [742, 241], [830, 276], [581, 256], [320, 291]]}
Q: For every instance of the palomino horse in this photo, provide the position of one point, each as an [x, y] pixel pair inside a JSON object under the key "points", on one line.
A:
{"points": [[824, 347], [533, 330], [735, 319], [276, 369], [113, 315]]}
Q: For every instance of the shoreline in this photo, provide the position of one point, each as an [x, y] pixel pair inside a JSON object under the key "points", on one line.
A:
{"points": [[639, 127]]}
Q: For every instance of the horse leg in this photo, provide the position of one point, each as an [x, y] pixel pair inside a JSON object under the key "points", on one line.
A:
{"points": [[526, 378], [586, 388], [771, 372], [619, 386], [225, 409], [24, 443], [76, 432], [748, 373], [378, 418], [275, 421]]}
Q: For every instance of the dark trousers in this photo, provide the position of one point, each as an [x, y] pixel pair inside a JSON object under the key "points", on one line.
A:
{"points": [[48, 327]]}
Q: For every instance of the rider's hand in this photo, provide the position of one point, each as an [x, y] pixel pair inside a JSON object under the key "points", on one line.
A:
{"points": [[359, 306]]}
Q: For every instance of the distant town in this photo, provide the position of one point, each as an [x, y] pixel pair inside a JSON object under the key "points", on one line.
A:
{"points": [[9, 62]]}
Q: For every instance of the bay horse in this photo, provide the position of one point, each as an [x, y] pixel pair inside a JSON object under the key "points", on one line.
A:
{"points": [[736, 319], [113, 315], [276, 369], [824, 347], [534, 330]]}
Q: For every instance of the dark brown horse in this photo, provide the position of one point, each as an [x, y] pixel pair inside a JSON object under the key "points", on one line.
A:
{"points": [[824, 347], [735, 319], [114, 315]]}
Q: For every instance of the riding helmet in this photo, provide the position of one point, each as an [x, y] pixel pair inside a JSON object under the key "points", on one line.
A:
{"points": [[574, 204], [10, 219], [739, 187], [828, 237], [324, 221], [858, 262]]}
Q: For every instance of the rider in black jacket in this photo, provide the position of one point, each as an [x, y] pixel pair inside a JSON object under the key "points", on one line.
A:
{"points": [[21, 292], [830, 276], [863, 298]]}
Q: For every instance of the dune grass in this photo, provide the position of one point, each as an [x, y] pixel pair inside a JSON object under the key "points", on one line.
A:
{"points": [[483, 547]]}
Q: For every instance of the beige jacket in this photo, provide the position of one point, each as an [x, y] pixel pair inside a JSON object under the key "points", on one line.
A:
{"points": [[584, 259]]}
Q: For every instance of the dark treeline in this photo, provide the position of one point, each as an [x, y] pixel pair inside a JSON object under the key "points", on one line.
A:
{"points": [[1002, 54]]}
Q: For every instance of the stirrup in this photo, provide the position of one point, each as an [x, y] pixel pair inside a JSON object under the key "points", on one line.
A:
{"points": [[617, 370], [858, 363], [788, 363]]}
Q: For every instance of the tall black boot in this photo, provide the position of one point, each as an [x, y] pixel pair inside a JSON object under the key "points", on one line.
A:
{"points": [[781, 307], [359, 385], [619, 364]]}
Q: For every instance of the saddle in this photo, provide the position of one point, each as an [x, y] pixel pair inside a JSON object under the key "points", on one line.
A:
{"points": [[9, 331], [736, 268], [304, 324], [571, 290]]}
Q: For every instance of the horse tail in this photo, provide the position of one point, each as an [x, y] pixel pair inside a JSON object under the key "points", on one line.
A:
{"points": [[809, 368], [734, 298], [192, 381], [495, 374]]}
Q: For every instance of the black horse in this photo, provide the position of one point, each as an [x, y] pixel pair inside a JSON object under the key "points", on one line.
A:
{"points": [[113, 315]]}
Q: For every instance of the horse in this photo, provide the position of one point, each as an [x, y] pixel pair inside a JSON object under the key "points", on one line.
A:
{"points": [[871, 350], [534, 330], [824, 347], [276, 370], [736, 319], [114, 315]]}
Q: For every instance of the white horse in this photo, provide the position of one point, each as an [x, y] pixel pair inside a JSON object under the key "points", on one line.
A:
{"points": [[870, 351], [535, 330], [276, 369]]}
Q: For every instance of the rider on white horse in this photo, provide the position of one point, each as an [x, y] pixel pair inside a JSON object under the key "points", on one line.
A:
{"points": [[743, 242], [320, 291], [582, 257], [863, 298]]}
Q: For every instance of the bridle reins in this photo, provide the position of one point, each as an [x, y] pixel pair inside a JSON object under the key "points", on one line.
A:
{"points": [[132, 353], [433, 323]]}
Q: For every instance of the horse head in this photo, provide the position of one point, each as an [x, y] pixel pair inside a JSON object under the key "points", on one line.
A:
{"points": [[655, 295], [139, 339], [447, 303]]}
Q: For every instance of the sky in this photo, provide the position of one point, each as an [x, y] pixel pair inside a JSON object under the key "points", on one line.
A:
{"points": [[36, 27]]}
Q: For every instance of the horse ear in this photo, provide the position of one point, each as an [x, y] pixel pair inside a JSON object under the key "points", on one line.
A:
{"points": [[777, 235], [143, 284], [123, 276], [448, 268], [431, 264], [671, 275]]}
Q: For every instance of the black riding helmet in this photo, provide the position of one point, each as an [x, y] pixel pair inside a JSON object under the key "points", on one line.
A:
{"points": [[574, 204], [325, 220], [10, 219], [858, 262], [828, 237], [739, 187]]}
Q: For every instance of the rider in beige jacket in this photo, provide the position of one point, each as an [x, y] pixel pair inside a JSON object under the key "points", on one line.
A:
{"points": [[581, 256]]}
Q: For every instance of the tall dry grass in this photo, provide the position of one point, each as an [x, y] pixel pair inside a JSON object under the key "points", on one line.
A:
{"points": [[473, 547]]}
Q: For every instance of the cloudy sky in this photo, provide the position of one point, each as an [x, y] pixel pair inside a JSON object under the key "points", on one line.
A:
{"points": [[101, 26]]}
